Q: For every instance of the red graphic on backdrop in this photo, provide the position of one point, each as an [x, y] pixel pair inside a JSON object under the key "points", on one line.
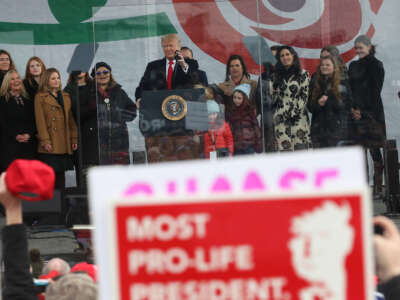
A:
{"points": [[376, 5], [204, 23], [339, 23]]}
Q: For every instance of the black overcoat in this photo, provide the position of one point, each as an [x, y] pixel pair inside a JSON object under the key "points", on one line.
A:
{"points": [[17, 118], [105, 138], [155, 77], [330, 123], [366, 77]]}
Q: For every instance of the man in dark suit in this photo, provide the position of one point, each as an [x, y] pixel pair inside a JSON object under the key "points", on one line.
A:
{"points": [[198, 76], [171, 72]]}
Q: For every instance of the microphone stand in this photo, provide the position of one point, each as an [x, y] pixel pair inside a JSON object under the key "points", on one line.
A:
{"points": [[78, 170]]}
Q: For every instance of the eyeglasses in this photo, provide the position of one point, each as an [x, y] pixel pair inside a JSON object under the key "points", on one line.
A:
{"points": [[105, 72], [4, 59]]}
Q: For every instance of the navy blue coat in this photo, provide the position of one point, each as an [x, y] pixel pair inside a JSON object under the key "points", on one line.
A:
{"points": [[155, 77]]}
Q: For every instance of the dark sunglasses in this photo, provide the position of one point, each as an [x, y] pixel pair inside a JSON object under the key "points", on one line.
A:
{"points": [[105, 72]]}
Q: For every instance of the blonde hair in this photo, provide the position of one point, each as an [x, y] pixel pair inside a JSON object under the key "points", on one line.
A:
{"points": [[28, 74], [45, 78], [198, 86], [5, 86], [209, 93], [171, 37]]}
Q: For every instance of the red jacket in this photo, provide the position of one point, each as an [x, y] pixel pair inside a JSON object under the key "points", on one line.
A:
{"points": [[221, 137]]}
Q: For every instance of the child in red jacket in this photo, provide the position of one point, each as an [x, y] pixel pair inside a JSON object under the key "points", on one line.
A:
{"points": [[218, 140], [243, 122]]}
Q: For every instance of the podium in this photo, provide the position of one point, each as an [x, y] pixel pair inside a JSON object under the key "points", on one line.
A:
{"points": [[173, 112], [173, 123]]}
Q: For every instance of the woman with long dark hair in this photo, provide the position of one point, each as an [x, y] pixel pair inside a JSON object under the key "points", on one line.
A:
{"points": [[366, 80], [330, 105], [6, 64], [17, 120], [236, 74], [80, 87], [289, 89]]}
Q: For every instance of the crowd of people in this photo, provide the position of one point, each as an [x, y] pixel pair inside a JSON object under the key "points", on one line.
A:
{"points": [[38, 119]]}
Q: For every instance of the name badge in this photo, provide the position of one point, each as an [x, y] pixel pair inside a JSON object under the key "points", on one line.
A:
{"points": [[213, 155]]}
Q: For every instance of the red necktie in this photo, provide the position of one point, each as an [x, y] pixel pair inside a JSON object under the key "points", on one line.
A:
{"points": [[169, 78]]}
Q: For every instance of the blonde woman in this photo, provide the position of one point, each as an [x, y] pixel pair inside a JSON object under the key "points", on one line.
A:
{"points": [[6, 64], [57, 130], [17, 120]]}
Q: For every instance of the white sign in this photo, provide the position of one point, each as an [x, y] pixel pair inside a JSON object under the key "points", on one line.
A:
{"points": [[289, 174]]}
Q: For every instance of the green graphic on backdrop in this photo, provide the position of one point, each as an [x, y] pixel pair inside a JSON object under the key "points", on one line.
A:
{"points": [[73, 27], [74, 11]]}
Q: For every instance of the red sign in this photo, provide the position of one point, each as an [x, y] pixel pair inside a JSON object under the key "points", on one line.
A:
{"points": [[243, 249]]}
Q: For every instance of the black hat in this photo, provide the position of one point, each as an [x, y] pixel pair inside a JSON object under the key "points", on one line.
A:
{"points": [[98, 66]]}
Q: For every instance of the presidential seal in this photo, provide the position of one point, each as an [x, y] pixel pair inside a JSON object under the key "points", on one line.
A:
{"points": [[174, 108]]}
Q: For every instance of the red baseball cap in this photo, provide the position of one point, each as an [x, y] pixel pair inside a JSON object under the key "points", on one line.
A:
{"points": [[30, 180], [51, 275], [89, 269]]}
